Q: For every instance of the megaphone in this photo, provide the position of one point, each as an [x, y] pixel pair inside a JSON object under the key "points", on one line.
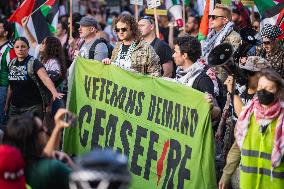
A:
{"points": [[176, 12], [222, 55]]}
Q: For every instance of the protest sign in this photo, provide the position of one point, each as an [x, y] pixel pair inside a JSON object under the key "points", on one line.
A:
{"points": [[136, 2], [162, 126]]}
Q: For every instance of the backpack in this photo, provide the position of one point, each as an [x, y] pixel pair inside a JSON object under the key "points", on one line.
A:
{"points": [[44, 92], [93, 47], [220, 98]]}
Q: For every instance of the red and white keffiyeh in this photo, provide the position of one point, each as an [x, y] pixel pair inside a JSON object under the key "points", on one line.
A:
{"points": [[264, 116]]}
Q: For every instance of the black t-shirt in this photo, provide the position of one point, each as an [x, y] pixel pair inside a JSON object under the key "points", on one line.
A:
{"points": [[124, 50], [246, 98], [203, 83], [25, 92], [163, 50]]}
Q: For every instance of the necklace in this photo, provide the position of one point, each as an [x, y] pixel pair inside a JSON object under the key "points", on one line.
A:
{"points": [[126, 62]]}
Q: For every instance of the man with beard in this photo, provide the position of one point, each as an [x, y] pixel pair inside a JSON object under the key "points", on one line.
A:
{"points": [[192, 26], [240, 16]]}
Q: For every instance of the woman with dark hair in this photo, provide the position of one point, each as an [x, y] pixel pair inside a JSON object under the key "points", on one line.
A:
{"points": [[30, 136], [131, 52], [271, 48], [29, 84], [259, 135], [52, 57]]}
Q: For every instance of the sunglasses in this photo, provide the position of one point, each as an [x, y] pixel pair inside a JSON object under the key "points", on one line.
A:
{"points": [[266, 42], [213, 17], [120, 30]]}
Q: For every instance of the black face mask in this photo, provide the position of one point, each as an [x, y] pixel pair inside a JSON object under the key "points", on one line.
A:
{"points": [[265, 97]]}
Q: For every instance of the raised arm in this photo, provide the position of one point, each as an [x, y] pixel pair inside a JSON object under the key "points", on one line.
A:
{"points": [[30, 36]]}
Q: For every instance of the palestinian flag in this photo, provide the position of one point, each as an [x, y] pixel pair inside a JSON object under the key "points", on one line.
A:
{"points": [[272, 12], [204, 24], [42, 22]]}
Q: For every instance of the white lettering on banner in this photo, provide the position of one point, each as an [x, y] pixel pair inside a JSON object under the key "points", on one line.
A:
{"points": [[136, 2], [153, 3]]}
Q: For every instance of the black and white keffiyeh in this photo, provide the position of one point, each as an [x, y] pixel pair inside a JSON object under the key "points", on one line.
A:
{"points": [[189, 75], [215, 38]]}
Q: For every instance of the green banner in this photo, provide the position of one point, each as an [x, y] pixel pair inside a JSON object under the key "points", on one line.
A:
{"points": [[163, 127]]}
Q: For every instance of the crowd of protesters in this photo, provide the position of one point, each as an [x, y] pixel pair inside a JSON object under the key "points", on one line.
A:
{"points": [[247, 112]]}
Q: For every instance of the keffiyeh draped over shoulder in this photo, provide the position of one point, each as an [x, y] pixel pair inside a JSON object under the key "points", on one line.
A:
{"points": [[215, 38], [189, 75], [263, 117]]}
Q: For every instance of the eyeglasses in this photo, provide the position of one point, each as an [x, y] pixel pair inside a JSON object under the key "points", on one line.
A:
{"points": [[213, 17], [266, 42], [149, 18], [120, 30]]}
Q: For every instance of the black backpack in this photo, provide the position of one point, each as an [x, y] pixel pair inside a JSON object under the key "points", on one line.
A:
{"points": [[93, 47]]}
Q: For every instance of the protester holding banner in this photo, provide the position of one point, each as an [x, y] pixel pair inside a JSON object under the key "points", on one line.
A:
{"points": [[259, 135], [132, 52], [147, 27], [26, 75], [271, 49], [7, 53], [92, 48], [191, 71]]}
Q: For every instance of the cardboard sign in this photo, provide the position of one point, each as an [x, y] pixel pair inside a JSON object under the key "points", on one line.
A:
{"points": [[153, 3], [136, 2]]}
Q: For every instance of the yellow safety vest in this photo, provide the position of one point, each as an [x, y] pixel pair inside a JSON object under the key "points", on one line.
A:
{"points": [[256, 168]]}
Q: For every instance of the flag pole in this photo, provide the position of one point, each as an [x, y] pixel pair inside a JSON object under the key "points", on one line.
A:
{"points": [[71, 19], [38, 8], [183, 15], [252, 18], [136, 12], [156, 23]]}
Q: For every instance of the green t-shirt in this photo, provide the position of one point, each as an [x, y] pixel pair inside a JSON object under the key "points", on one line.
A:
{"points": [[6, 55], [47, 174]]}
